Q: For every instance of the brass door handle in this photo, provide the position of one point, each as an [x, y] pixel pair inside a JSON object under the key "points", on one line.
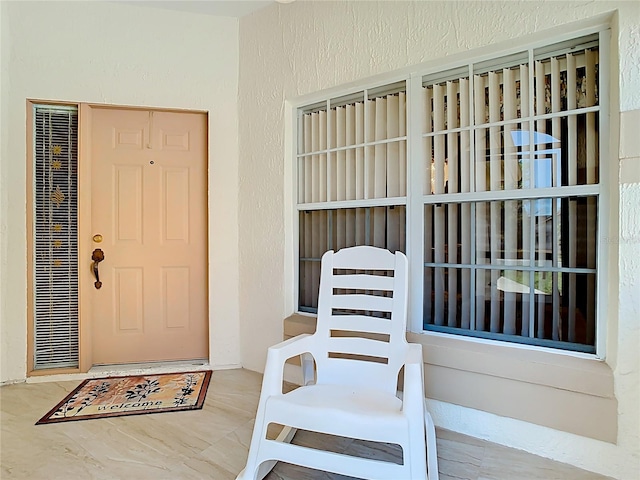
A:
{"points": [[97, 257]]}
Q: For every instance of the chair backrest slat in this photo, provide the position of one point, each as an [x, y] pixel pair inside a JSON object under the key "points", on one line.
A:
{"points": [[359, 258], [362, 302], [361, 323], [359, 346], [363, 282]]}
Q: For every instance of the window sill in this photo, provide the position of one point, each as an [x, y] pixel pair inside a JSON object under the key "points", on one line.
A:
{"points": [[580, 373]]}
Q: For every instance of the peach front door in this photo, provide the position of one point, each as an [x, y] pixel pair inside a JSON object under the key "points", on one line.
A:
{"points": [[149, 205]]}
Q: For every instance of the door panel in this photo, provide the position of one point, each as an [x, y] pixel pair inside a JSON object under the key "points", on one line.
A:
{"points": [[149, 197], [175, 197], [175, 289], [126, 204], [128, 300]]}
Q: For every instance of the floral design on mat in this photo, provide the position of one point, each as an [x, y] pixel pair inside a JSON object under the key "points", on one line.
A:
{"points": [[187, 390], [96, 392], [143, 390]]}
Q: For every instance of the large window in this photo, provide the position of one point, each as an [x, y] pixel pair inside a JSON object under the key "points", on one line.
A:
{"points": [[508, 154]]}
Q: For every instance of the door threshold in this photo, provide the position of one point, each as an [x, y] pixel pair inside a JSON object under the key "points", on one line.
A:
{"points": [[150, 368], [120, 370]]}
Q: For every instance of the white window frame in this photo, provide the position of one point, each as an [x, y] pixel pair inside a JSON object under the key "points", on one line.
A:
{"points": [[415, 202]]}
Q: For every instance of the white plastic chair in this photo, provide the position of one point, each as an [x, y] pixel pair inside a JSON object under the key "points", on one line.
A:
{"points": [[356, 378]]}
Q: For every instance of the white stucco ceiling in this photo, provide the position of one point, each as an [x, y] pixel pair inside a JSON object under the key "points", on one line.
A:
{"points": [[223, 8]]}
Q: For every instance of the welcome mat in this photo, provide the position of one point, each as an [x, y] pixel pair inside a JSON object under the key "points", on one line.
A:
{"points": [[131, 395]]}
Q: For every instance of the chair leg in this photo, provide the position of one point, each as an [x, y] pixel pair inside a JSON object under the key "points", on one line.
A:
{"points": [[251, 470], [432, 453], [286, 435]]}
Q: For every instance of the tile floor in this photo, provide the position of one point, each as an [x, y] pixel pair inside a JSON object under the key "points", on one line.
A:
{"points": [[209, 443]]}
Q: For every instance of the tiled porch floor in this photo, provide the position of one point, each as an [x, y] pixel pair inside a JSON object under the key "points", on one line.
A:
{"points": [[209, 443]]}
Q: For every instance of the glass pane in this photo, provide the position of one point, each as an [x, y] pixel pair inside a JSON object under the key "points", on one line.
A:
{"points": [[386, 117], [578, 226], [447, 105], [312, 177], [502, 298], [501, 94], [448, 233], [312, 134], [313, 233], [566, 82], [503, 160], [322, 230], [384, 170], [557, 312], [583, 151], [349, 171], [448, 170], [566, 152], [447, 296], [565, 310], [346, 121], [503, 232]]}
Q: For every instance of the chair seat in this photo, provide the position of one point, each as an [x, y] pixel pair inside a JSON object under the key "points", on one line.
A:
{"points": [[325, 408]]}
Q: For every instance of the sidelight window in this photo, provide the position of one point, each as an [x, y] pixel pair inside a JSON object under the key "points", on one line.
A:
{"points": [[55, 236]]}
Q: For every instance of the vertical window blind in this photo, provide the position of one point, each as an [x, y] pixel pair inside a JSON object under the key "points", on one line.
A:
{"points": [[55, 262], [510, 191]]}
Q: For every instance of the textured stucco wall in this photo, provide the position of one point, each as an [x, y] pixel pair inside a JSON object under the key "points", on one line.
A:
{"points": [[627, 371], [106, 52], [291, 50]]}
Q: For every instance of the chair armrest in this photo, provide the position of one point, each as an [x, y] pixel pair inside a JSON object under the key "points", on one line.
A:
{"points": [[292, 347], [413, 397], [277, 355], [414, 354]]}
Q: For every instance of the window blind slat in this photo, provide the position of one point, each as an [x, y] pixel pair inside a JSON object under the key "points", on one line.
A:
{"points": [[393, 148], [438, 167], [540, 242], [572, 154], [592, 177], [315, 159], [380, 150], [452, 210], [495, 181], [511, 175], [556, 182], [480, 209], [350, 154], [325, 182], [466, 172], [402, 151]]}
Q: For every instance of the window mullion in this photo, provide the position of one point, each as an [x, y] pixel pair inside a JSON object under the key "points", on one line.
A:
{"points": [[416, 117], [472, 189]]}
